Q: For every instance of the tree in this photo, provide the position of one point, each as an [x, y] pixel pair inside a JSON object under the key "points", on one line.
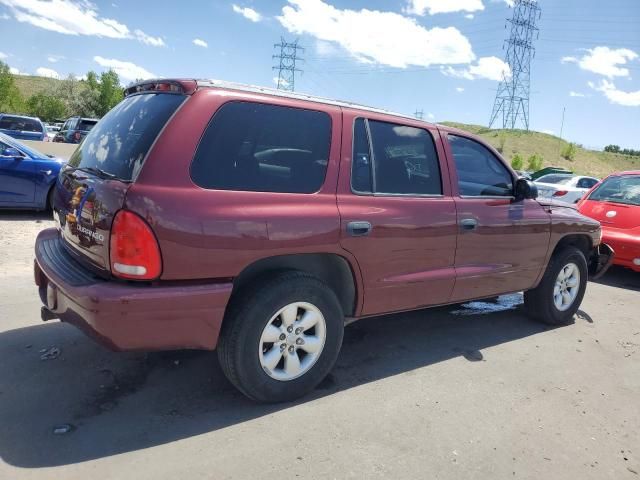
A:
{"points": [[47, 107], [569, 151], [517, 162], [110, 92], [11, 100], [612, 148], [78, 97], [535, 162]]}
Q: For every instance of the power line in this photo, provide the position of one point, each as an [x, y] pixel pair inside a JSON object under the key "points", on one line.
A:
{"points": [[286, 67], [512, 97]]}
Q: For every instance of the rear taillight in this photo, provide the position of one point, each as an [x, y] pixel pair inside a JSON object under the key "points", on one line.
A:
{"points": [[135, 253], [560, 193]]}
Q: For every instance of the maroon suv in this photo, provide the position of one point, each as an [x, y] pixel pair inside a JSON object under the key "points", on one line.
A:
{"points": [[208, 215]]}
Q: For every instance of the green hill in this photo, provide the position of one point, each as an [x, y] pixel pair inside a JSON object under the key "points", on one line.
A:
{"points": [[586, 162], [28, 85]]}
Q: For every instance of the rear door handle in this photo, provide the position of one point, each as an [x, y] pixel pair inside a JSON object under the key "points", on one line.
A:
{"points": [[358, 229], [468, 224]]}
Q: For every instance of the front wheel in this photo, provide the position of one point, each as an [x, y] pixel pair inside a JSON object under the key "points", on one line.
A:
{"points": [[281, 337], [559, 295]]}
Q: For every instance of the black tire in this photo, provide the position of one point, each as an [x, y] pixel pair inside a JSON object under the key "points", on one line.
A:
{"points": [[539, 302], [245, 320], [50, 198]]}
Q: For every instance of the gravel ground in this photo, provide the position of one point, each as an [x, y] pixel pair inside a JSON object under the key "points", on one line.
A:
{"points": [[474, 391]]}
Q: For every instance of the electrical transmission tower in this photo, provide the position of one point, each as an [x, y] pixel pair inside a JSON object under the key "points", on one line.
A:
{"points": [[287, 64], [419, 114], [512, 99]]}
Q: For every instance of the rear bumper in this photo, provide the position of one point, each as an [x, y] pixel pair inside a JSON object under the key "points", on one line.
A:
{"points": [[127, 316]]}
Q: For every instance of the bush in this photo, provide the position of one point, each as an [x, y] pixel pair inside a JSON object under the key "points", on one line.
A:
{"points": [[517, 162], [501, 141], [535, 162], [569, 151]]}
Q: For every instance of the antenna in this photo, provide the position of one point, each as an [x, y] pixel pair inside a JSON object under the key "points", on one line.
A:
{"points": [[287, 64], [512, 98]]}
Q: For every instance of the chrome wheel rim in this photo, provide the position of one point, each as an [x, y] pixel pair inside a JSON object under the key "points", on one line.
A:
{"points": [[292, 341], [566, 287]]}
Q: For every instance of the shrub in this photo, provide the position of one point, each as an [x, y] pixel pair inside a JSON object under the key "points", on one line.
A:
{"points": [[535, 162], [569, 151], [517, 162], [501, 141]]}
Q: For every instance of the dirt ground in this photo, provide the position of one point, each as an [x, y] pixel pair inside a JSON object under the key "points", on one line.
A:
{"points": [[474, 391]]}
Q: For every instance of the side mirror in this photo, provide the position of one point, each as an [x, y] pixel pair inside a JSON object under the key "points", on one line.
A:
{"points": [[12, 153], [525, 190]]}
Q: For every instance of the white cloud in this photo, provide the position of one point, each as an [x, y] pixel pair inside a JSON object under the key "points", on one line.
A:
{"points": [[74, 17], [54, 58], [491, 68], [373, 36], [200, 43], [421, 7], [618, 97], [148, 39], [459, 89], [604, 61], [549, 132], [125, 70], [15, 71], [469, 16], [47, 72], [283, 82], [248, 13], [577, 94], [3, 55]]}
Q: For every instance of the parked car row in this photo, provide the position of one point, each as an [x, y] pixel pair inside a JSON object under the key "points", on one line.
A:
{"points": [[565, 187], [21, 127]]}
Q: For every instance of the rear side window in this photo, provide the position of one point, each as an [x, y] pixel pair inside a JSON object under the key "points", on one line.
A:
{"points": [[119, 143], [20, 124], [480, 173], [586, 182], [405, 161], [263, 148], [86, 124]]}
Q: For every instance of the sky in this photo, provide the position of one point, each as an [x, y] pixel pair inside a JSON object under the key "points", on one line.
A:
{"points": [[443, 57]]}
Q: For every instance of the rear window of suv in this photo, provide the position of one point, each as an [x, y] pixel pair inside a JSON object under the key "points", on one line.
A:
{"points": [[20, 124], [263, 148], [119, 143]]}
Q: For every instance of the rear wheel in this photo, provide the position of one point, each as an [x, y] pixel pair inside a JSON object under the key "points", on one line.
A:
{"points": [[281, 337], [561, 290]]}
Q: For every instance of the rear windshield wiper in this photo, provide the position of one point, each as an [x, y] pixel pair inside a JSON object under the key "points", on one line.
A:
{"points": [[98, 172]]}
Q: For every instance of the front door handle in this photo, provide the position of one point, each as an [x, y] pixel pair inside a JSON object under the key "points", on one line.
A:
{"points": [[358, 229], [468, 224]]}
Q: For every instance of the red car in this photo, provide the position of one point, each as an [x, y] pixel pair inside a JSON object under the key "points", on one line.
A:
{"points": [[615, 203], [206, 215]]}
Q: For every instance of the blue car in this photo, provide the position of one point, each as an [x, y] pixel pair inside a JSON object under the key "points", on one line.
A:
{"points": [[27, 177], [22, 128]]}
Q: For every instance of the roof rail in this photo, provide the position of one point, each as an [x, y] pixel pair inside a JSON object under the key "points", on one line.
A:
{"points": [[298, 96]]}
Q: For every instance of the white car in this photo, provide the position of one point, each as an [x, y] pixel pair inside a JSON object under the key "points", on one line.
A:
{"points": [[566, 187], [51, 132]]}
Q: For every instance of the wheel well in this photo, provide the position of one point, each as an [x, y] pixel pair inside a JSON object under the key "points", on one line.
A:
{"points": [[332, 269], [581, 242]]}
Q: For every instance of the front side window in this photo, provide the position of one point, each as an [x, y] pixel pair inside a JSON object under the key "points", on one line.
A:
{"points": [[480, 173], [405, 161], [263, 148]]}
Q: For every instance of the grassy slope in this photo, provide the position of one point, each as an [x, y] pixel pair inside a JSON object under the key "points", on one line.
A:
{"points": [[28, 85], [586, 162]]}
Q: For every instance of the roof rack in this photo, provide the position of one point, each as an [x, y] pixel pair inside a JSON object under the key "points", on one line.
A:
{"points": [[298, 96]]}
